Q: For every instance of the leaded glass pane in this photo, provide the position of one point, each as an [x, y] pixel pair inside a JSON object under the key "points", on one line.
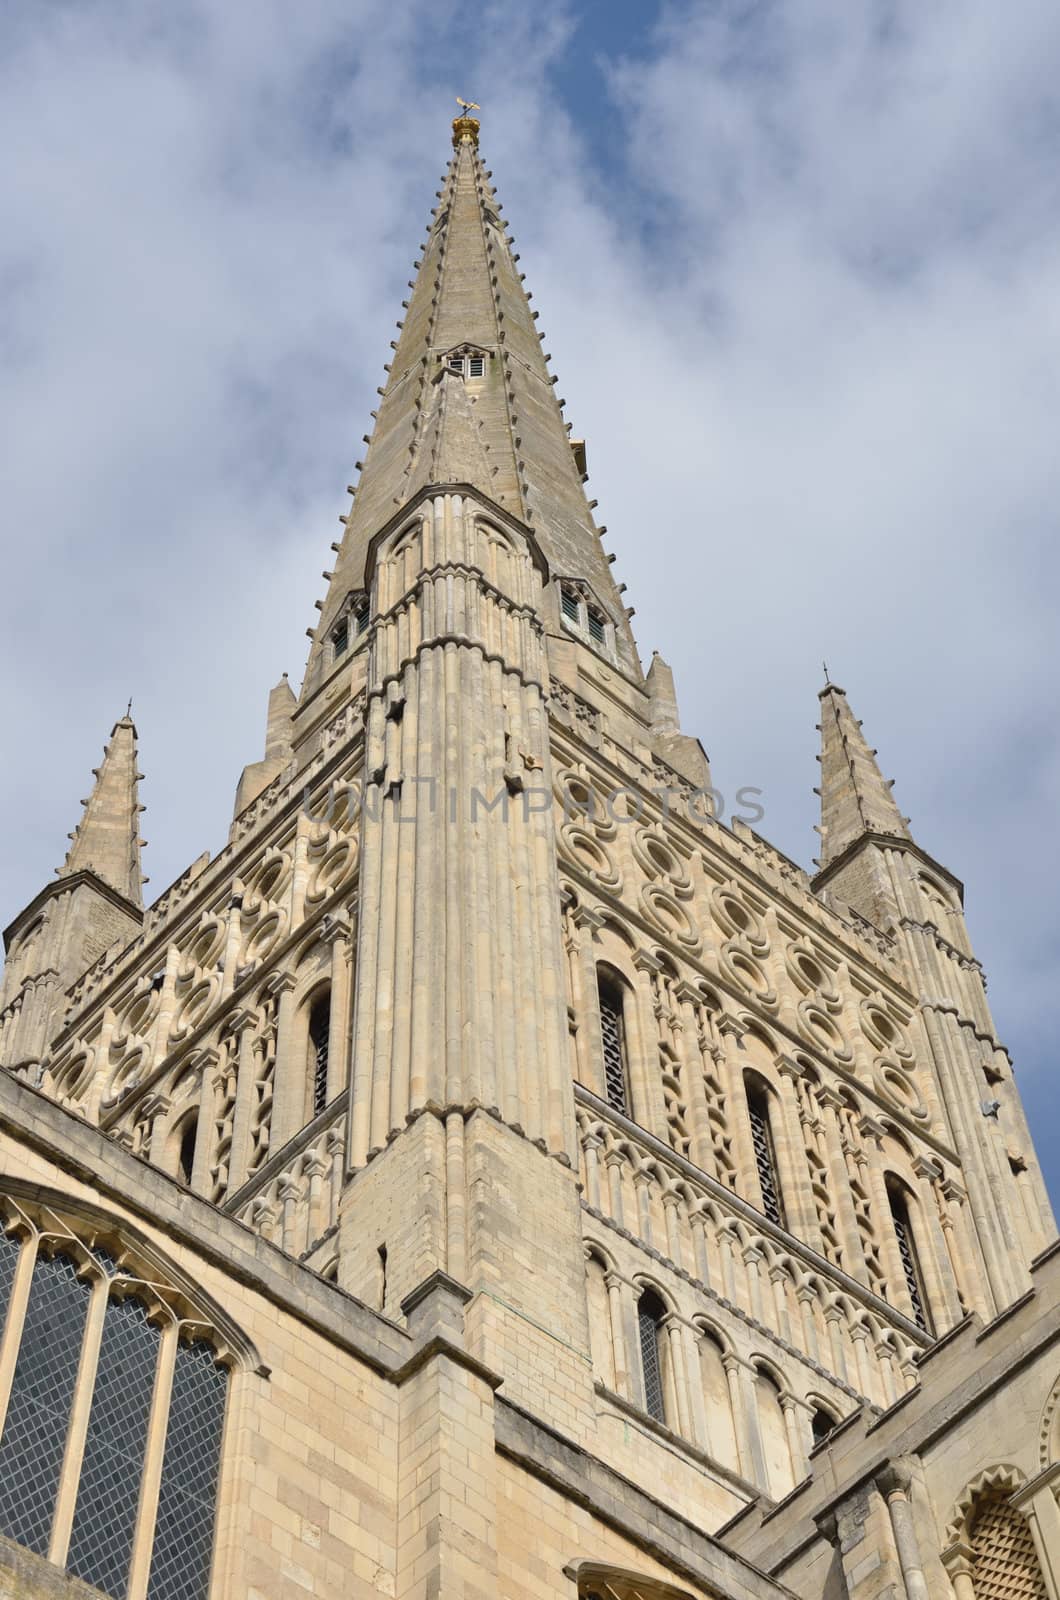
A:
{"points": [[180, 1565], [31, 1450], [9, 1252], [105, 1517], [649, 1355]]}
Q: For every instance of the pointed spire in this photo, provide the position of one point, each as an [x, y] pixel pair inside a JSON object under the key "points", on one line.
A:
{"points": [[107, 839], [469, 398], [856, 799]]}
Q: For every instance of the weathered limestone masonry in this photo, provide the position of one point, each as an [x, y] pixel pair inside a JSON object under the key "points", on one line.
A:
{"points": [[490, 1174]]}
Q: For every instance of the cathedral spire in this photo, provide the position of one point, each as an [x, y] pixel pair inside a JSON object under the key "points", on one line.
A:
{"points": [[469, 399], [856, 799], [107, 839]]}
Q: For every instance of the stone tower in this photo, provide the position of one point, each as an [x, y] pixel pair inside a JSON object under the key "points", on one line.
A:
{"points": [[490, 1174]]}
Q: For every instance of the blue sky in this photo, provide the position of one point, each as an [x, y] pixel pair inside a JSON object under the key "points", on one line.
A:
{"points": [[799, 270]]}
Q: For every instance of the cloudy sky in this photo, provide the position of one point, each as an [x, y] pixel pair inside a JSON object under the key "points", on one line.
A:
{"points": [[799, 265]]}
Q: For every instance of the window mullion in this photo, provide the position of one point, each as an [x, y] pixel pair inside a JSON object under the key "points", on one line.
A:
{"points": [[70, 1473], [16, 1316], [154, 1450]]}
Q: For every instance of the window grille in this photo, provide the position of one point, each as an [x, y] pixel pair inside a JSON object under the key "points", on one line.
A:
{"points": [[340, 637], [180, 1563], [109, 1488], [570, 600], [910, 1262], [765, 1158], [31, 1450], [613, 1033], [109, 1428], [597, 628], [319, 1045], [361, 613], [649, 1316], [456, 364], [476, 366]]}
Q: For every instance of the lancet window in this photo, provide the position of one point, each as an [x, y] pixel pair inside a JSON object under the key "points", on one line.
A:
{"points": [[613, 1033], [909, 1255], [765, 1153], [319, 1049], [650, 1315]]}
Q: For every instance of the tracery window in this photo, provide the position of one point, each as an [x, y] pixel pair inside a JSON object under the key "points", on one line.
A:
{"points": [[613, 1033], [909, 1255], [765, 1152], [108, 1376]]}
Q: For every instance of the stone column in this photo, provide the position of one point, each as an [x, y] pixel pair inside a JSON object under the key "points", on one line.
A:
{"points": [[587, 1038], [798, 1444], [702, 1149], [291, 1073], [1037, 1502], [335, 931], [242, 1024], [592, 1144], [649, 1106], [938, 1268], [673, 1333], [846, 1217], [731, 1033], [798, 1191], [745, 1420], [616, 1295], [959, 1561], [895, 1483], [890, 1257]]}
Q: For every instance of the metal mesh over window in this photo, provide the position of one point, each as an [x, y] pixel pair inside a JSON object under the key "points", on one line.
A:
{"points": [[765, 1158], [1006, 1565], [31, 1450], [613, 1034], [648, 1318], [319, 1043], [105, 1516], [910, 1264], [9, 1249], [597, 628], [180, 1564]]}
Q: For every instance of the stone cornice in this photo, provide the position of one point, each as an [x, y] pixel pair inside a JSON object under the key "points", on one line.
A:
{"points": [[71, 880], [884, 841]]}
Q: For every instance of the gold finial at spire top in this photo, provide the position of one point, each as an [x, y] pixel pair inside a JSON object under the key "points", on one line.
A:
{"points": [[465, 126]]}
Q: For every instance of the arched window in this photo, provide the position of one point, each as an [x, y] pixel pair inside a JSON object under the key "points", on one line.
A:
{"points": [[765, 1151], [1006, 1563], [907, 1250], [773, 1430], [721, 1431], [319, 1046], [650, 1315], [822, 1423], [82, 1474], [186, 1135], [611, 992]]}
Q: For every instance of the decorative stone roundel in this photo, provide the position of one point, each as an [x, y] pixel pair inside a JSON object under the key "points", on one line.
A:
{"points": [[657, 857], [818, 1026], [330, 871], [267, 933], [884, 1029], [736, 918], [894, 1082], [206, 944], [195, 1007], [138, 1015], [667, 914], [586, 851]]}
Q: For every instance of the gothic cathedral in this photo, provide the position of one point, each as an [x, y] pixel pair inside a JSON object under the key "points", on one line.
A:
{"points": [[491, 1177]]}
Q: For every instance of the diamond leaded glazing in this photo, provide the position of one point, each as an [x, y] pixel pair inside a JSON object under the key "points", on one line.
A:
{"points": [[9, 1249], [31, 1449], [105, 1517], [180, 1565]]}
